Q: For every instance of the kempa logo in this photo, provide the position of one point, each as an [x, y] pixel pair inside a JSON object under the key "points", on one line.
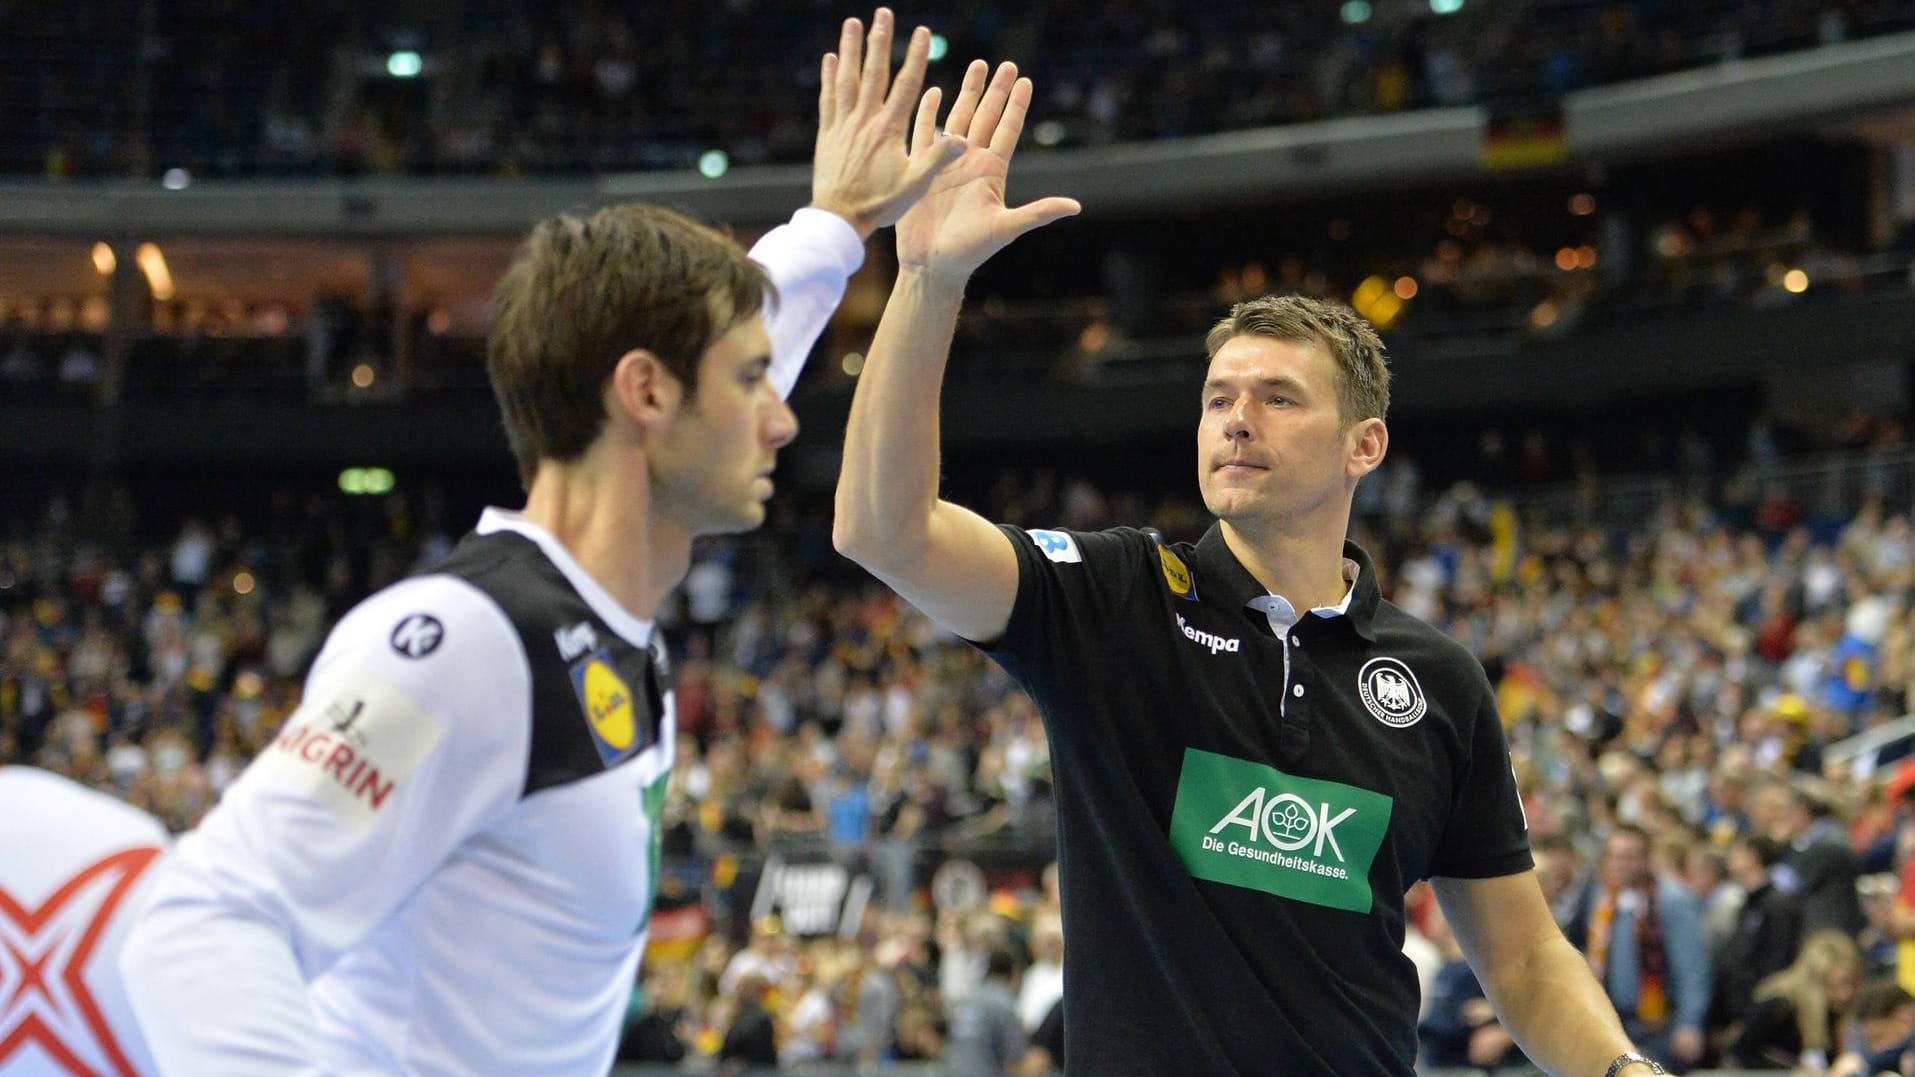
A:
{"points": [[418, 635], [1204, 639], [575, 640], [1390, 692], [1251, 825], [1288, 822]]}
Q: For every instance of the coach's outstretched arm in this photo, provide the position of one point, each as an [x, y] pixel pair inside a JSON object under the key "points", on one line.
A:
{"points": [[946, 560]]}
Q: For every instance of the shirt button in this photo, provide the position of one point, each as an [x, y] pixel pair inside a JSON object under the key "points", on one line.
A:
{"points": [[1296, 641], [1297, 691]]}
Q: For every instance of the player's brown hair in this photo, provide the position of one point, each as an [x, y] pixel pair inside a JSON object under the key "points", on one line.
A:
{"points": [[585, 290], [1363, 374]]}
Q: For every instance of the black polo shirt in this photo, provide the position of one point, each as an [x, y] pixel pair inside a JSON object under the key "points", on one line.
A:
{"points": [[1239, 814]]}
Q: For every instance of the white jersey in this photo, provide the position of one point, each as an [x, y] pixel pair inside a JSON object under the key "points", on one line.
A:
{"points": [[445, 863], [75, 865]]}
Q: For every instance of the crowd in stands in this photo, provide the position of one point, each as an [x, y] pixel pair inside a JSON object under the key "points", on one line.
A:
{"points": [[216, 87], [1674, 688]]}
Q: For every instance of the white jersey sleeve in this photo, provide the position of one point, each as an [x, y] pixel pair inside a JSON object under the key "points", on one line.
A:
{"points": [[809, 260], [413, 734]]}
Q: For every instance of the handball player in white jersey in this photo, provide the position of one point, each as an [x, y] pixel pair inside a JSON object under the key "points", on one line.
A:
{"points": [[445, 863]]}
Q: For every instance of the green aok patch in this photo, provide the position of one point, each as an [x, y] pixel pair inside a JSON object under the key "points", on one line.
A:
{"points": [[1247, 824]]}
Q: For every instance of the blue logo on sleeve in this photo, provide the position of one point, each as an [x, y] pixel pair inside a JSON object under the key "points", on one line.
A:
{"points": [[1059, 546]]}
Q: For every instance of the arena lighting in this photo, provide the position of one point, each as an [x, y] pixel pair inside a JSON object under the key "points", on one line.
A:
{"points": [[363, 376], [367, 481], [1446, 7], [1405, 287], [1048, 133], [1796, 281], [1376, 300], [158, 277], [176, 179], [103, 259], [243, 582], [852, 363], [1356, 12], [940, 48], [1582, 205], [404, 64], [713, 164]]}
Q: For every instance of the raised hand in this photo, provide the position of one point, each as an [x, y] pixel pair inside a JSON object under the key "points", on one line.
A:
{"points": [[861, 170], [963, 220]]}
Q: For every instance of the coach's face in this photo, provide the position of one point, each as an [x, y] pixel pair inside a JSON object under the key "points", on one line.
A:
{"points": [[1271, 445], [713, 464]]}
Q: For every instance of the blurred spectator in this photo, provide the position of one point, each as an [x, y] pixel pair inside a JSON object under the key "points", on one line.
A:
{"points": [[1885, 1016], [986, 1038], [1799, 1021], [1043, 981], [1819, 864], [752, 1039], [1644, 939], [1766, 934]]}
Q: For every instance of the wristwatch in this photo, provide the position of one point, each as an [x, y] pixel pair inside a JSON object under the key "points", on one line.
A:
{"points": [[1630, 1058]]}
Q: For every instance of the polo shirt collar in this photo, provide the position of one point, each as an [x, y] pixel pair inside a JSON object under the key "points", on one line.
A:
{"points": [[1222, 579]]}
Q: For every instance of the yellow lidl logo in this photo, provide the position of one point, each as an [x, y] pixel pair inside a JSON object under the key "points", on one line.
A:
{"points": [[608, 704], [1176, 573]]}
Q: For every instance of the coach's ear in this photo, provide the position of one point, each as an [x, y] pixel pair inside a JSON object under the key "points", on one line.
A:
{"points": [[1369, 440], [642, 391]]}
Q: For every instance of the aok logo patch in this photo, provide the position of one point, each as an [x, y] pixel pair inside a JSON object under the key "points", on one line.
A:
{"points": [[1246, 824]]}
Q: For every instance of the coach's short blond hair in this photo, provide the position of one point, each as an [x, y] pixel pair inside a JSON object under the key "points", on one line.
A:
{"points": [[1363, 374]]}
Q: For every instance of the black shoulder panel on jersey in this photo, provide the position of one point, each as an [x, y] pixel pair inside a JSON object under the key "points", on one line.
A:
{"points": [[596, 699]]}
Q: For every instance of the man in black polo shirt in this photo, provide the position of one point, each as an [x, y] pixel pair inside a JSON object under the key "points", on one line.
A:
{"points": [[1254, 754]]}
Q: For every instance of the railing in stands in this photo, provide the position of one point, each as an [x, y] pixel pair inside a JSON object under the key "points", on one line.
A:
{"points": [[1824, 486]]}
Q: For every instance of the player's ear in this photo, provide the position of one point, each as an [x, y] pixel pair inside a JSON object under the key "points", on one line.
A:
{"points": [[642, 390]]}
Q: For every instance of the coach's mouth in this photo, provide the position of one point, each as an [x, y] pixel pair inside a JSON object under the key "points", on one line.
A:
{"points": [[1227, 466]]}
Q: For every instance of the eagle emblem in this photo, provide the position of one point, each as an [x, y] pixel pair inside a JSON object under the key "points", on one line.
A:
{"points": [[1390, 692]]}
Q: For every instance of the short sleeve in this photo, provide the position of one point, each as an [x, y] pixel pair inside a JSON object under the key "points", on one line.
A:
{"points": [[1069, 584], [412, 734], [1487, 834]]}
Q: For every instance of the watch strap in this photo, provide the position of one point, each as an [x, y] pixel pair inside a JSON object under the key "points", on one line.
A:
{"points": [[1628, 1058]]}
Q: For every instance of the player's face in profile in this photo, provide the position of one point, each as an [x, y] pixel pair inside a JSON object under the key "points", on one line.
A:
{"points": [[720, 451], [1270, 444]]}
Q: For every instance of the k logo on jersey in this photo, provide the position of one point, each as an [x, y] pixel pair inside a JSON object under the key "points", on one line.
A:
{"points": [[1390, 692], [418, 635]]}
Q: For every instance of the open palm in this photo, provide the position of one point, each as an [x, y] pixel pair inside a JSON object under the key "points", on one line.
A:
{"points": [[963, 220]]}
